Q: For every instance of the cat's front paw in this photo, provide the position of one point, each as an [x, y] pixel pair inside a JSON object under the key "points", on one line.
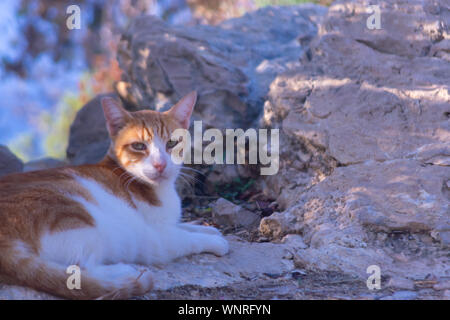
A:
{"points": [[218, 245], [200, 228]]}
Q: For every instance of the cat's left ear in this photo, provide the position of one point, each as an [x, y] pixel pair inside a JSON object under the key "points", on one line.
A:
{"points": [[116, 116], [182, 111]]}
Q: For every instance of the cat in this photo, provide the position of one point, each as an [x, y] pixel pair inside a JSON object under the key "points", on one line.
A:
{"points": [[104, 218]]}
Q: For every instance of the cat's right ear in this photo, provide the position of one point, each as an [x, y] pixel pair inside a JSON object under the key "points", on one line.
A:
{"points": [[182, 111], [115, 115]]}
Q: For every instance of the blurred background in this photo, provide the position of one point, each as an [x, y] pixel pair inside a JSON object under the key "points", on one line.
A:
{"points": [[48, 72]]}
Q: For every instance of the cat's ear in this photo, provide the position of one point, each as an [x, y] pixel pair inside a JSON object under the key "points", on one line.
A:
{"points": [[115, 115], [182, 111]]}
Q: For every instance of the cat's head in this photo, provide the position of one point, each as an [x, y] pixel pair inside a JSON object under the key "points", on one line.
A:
{"points": [[141, 141]]}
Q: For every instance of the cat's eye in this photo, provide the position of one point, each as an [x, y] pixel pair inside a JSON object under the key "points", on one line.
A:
{"points": [[139, 146], [171, 143]]}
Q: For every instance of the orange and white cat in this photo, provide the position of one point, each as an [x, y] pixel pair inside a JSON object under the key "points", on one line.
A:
{"points": [[103, 217]]}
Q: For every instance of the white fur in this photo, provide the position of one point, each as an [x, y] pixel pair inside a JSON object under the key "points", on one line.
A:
{"points": [[123, 234]]}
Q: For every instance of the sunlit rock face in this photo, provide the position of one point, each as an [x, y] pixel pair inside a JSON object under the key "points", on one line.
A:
{"points": [[365, 155], [231, 65], [363, 115]]}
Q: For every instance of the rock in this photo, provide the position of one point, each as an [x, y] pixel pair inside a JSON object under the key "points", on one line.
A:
{"points": [[9, 163], [368, 92], [364, 142], [245, 261], [89, 139], [341, 217], [444, 285], [401, 283], [8, 292], [423, 23], [403, 295], [446, 295], [230, 65], [294, 241], [277, 225], [42, 164], [444, 238], [226, 213]]}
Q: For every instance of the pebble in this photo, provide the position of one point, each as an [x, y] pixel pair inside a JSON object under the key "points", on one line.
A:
{"points": [[401, 283], [401, 295], [445, 285]]}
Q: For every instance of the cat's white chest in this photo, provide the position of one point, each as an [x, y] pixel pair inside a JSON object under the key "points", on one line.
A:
{"points": [[109, 207], [121, 231]]}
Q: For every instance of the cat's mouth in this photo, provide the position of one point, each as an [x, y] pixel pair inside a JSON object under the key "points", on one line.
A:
{"points": [[156, 176]]}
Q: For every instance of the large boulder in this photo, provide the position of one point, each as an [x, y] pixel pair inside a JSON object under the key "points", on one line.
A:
{"points": [[365, 141], [89, 139], [9, 163], [230, 65]]}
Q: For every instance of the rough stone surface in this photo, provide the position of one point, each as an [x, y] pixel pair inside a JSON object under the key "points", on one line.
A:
{"points": [[401, 295], [226, 213], [365, 142], [9, 163], [88, 139], [278, 224], [444, 285], [245, 261], [446, 295], [401, 283], [364, 123], [230, 65]]}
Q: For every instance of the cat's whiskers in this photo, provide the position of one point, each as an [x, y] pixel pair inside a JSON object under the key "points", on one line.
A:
{"points": [[129, 183], [194, 170], [189, 183], [184, 174], [124, 173]]}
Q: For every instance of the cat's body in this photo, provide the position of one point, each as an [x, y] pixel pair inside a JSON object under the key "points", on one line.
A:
{"points": [[102, 217]]}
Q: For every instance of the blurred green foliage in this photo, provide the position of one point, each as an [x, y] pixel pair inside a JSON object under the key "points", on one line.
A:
{"points": [[53, 126], [22, 146], [232, 191], [56, 137]]}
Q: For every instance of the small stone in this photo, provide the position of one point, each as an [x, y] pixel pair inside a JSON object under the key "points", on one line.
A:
{"points": [[288, 255], [226, 213], [275, 226], [445, 285], [446, 295], [295, 241], [401, 283], [404, 295], [445, 238]]}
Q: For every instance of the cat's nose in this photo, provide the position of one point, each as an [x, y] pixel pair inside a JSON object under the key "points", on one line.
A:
{"points": [[160, 166]]}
